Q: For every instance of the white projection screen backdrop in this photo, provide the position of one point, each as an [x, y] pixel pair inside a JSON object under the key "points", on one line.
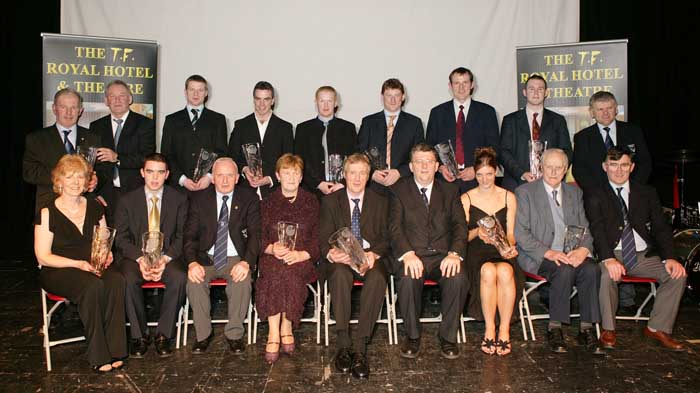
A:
{"points": [[353, 46]]}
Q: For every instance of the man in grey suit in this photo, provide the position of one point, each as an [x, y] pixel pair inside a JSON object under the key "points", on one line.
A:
{"points": [[545, 208]]}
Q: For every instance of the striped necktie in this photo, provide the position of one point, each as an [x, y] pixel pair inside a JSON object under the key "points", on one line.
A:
{"points": [[629, 248], [221, 245]]}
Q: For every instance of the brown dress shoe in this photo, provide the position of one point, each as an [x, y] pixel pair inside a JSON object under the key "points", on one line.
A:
{"points": [[608, 339], [664, 339]]}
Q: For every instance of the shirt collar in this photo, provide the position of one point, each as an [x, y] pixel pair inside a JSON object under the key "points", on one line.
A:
{"points": [[73, 129], [429, 186], [150, 194], [123, 117], [220, 195], [612, 126], [325, 119]]}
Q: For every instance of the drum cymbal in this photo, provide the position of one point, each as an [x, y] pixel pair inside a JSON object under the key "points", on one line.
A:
{"points": [[683, 156]]}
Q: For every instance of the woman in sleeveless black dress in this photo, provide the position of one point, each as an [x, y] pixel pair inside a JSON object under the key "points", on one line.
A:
{"points": [[62, 242], [491, 276]]}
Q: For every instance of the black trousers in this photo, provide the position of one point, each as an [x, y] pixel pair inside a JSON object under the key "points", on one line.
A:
{"points": [[453, 291], [175, 280], [100, 303], [562, 279], [340, 280]]}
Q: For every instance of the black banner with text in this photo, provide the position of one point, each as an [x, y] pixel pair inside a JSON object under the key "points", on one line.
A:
{"points": [[88, 64]]}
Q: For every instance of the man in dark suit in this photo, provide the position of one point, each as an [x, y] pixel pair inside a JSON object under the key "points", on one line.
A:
{"points": [[590, 147], [464, 122], [393, 132], [365, 212], [273, 135], [546, 208], [189, 130], [428, 232], [126, 138], [532, 123], [320, 137], [43, 148], [222, 240], [632, 238], [592, 143], [152, 208]]}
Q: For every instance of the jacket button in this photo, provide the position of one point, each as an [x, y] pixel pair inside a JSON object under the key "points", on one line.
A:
{"points": [[619, 228]]}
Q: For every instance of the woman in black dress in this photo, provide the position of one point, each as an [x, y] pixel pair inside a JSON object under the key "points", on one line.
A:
{"points": [[491, 275], [280, 291], [62, 242]]}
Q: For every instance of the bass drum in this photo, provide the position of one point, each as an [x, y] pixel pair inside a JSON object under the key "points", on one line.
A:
{"points": [[686, 246]]}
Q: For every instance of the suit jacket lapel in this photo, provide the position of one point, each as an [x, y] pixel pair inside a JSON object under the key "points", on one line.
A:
{"points": [[56, 140], [80, 136], [542, 199], [271, 125], [523, 124], [129, 125], [345, 209], [164, 211], [141, 211]]}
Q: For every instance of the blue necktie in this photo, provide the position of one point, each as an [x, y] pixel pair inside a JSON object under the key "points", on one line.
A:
{"points": [[221, 246], [355, 220], [117, 134], [425, 196], [608, 140], [629, 248], [70, 149]]}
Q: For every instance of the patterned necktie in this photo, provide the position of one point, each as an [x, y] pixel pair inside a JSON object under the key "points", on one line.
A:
{"points": [[221, 245], [389, 135], [425, 197], [608, 140], [535, 128], [459, 130], [355, 220], [195, 117], [554, 196], [117, 135], [118, 132], [629, 248], [324, 142], [154, 217], [70, 149]]}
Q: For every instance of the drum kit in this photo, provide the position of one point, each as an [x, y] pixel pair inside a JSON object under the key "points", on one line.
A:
{"points": [[686, 241]]}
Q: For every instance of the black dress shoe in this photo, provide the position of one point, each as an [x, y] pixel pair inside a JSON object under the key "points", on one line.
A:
{"points": [[139, 347], [555, 339], [588, 339], [237, 346], [410, 348], [200, 347], [343, 360], [163, 346], [448, 350], [360, 367]]}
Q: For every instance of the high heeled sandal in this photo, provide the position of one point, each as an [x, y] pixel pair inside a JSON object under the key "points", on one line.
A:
{"points": [[272, 357], [118, 366], [489, 344], [288, 348], [98, 369], [502, 346]]}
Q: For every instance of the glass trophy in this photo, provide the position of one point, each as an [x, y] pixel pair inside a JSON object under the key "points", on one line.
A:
{"points": [[102, 239], [536, 148], [204, 163], [335, 168], [376, 158], [573, 237], [253, 158], [152, 248], [287, 234], [345, 241], [89, 153], [495, 234], [447, 157]]}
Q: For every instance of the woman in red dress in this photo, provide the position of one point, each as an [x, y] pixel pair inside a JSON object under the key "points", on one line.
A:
{"points": [[280, 290]]}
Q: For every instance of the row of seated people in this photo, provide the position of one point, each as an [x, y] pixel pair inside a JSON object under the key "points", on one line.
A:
{"points": [[424, 229]]}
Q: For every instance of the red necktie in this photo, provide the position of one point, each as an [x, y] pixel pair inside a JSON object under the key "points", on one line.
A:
{"points": [[459, 146], [535, 128]]}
